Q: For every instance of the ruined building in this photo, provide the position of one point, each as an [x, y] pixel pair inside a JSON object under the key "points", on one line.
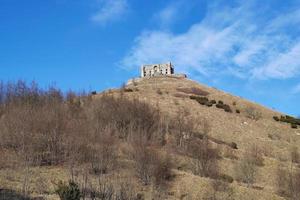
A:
{"points": [[157, 70]]}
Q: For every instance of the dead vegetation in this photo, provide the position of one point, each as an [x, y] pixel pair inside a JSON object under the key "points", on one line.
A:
{"points": [[288, 177], [193, 91], [116, 145]]}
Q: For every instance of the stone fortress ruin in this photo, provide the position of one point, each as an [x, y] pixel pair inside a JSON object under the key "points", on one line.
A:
{"points": [[156, 70]]}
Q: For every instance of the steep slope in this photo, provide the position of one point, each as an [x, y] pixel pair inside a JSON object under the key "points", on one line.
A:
{"points": [[274, 139], [231, 127]]}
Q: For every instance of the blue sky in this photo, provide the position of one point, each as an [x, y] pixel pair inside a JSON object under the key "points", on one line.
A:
{"points": [[248, 48]]}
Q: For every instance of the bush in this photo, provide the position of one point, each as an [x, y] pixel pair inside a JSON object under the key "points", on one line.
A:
{"points": [[218, 105], [288, 182], [128, 90], [294, 126], [246, 170], [209, 104], [162, 170], [158, 91], [201, 100], [288, 119], [233, 145], [237, 111], [223, 106], [252, 113], [226, 178], [220, 102], [69, 191], [227, 108], [213, 101], [255, 154], [93, 92]]}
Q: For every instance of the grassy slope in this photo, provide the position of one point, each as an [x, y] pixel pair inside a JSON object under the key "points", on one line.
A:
{"points": [[224, 126], [228, 127]]}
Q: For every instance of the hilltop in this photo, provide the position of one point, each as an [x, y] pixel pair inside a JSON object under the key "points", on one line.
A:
{"points": [[253, 125], [200, 143]]}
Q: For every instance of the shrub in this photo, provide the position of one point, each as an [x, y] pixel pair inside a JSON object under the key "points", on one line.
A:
{"points": [[93, 92], [276, 118], [233, 145], [237, 111], [201, 100], [213, 101], [220, 102], [208, 104], [69, 191], [294, 126], [227, 108], [158, 91], [223, 106], [218, 105], [162, 170], [288, 182], [274, 136], [288, 119], [128, 90], [226, 178], [252, 113], [246, 170], [255, 154]]}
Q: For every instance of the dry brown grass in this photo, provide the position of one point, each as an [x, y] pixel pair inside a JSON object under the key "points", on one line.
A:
{"points": [[79, 136]]}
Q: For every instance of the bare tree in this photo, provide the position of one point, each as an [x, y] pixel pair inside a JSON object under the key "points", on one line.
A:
{"points": [[246, 170], [288, 182], [204, 158]]}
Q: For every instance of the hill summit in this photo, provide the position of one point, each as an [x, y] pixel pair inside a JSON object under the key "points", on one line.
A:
{"points": [[161, 137]]}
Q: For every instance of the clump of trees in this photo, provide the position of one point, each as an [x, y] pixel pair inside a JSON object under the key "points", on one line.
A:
{"points": [[48, 127]]}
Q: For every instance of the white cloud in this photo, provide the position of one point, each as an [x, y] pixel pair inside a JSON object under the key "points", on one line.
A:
{"points": [[243, 41], [171, 13], [110, 11], [284, 65], [296, 89]]}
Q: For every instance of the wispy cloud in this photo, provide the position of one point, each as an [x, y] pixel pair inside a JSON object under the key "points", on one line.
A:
{"points": [[246, 41], [296, 89], [171, 13], [110, 11]]}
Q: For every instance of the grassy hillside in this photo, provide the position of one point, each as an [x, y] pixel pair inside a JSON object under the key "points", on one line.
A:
{"points": [[159, 138]]}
